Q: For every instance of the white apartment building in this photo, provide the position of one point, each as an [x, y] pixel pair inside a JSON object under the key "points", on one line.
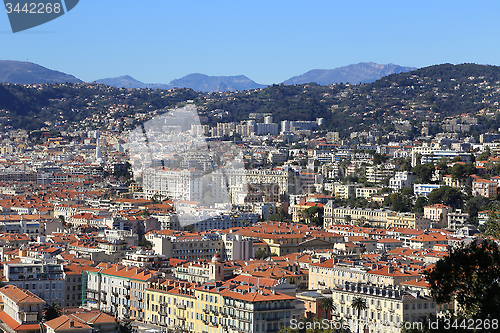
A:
{"points": [[344, 191], [401, 180], [429, 154], [287, 179], [379, 173], [387, 307], [424, 189], [173, 183]]}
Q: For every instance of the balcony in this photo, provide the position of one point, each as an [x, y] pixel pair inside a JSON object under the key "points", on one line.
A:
{"points": [[181, 306], [206, 310], [215, 312], [28, 317], [181, 316], [92, 299]]}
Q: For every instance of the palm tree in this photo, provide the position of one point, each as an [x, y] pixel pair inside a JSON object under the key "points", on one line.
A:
{"points": [[52, 311], [326, 304], [359, 303]]}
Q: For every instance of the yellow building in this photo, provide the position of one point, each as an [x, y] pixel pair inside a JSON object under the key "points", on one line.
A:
{"points": [[407, 220], [171, 304]]}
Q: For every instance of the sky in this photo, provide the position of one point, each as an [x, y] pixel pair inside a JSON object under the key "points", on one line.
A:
{"points": [[269, 41]]}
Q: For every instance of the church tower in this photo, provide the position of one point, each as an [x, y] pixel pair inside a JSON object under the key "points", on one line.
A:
{"points": [[216, 268]]}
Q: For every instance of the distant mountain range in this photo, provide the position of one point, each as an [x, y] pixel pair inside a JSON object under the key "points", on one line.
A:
{"points": [[364, 72], [21, 72], [29, 73], [198, 82]]}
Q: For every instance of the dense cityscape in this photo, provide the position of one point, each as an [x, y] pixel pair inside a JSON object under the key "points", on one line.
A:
{"points": [[182, 218]]}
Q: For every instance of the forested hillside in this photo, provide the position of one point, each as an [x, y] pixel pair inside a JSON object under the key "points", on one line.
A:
{"points": [[429, 95]]}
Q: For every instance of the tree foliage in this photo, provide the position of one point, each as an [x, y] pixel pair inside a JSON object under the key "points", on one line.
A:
{"points": [[51, 311], [446, 195], [471, 276]]}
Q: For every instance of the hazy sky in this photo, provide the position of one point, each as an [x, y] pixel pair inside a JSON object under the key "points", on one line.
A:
{"points": [[156, 41]]}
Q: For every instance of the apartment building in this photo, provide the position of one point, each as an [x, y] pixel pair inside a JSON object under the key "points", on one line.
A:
{"points": [[287, 179], [367, 192], [429, 154], [22, 310], [225, 221], [379, 173], [424, 189], [171, 304], [173, 183], [284, 238], [401, 180], [344, 191], [43, 277], [438, 214], [387, 307], [187, 246], [333, 273], [202, 271], [407, 220], [117, 289], [485, 188], [456, 219], [347, 215], [231, 307]]}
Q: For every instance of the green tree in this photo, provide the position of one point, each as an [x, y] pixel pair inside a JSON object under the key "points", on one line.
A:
{"points": [[328, 305], [379, 158], [145, 243], [492, 228], [446, 195], [51, 311], [476, 204], [485, 154], [470, 275], [419, 205], [260, 254], [359, 304], [424, 172], [314, 215]]}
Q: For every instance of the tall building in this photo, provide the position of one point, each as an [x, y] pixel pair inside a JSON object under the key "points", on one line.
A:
{"points": [[44, 278], [173, 183]]}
